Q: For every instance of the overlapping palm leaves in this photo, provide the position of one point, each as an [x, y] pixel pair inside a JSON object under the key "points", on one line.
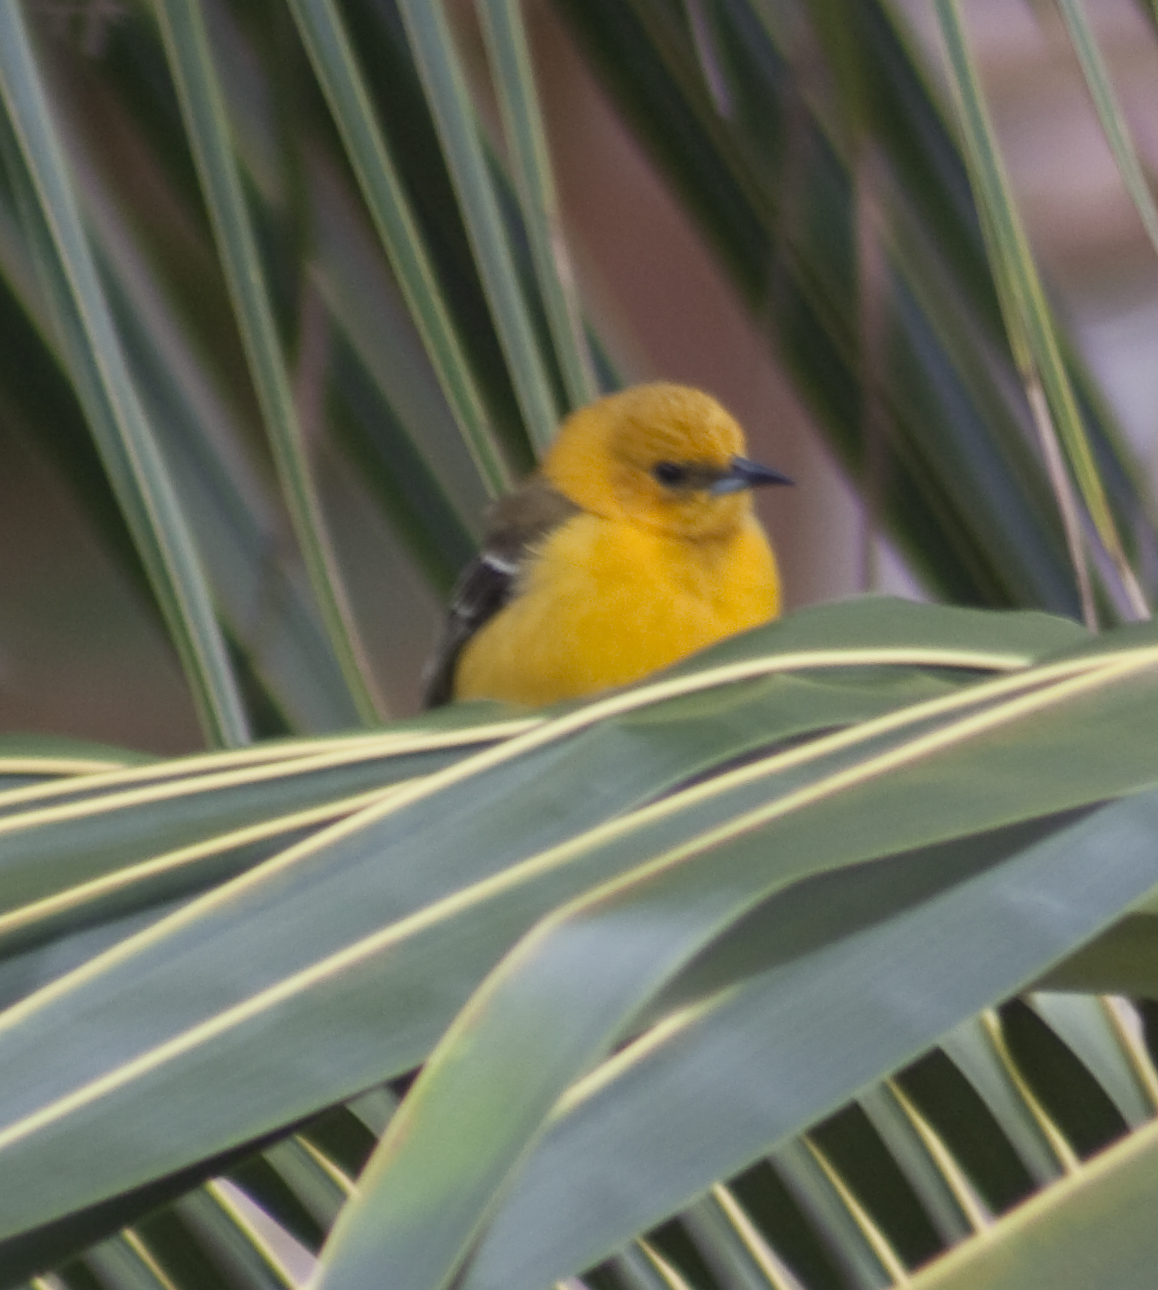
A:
{"points": [[638, 946]]}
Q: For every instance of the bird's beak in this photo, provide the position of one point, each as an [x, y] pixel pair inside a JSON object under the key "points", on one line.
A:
{"points": [[743, 473]]}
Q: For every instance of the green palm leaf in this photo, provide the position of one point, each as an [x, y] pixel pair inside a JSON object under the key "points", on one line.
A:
{"points": [[712, 981]]}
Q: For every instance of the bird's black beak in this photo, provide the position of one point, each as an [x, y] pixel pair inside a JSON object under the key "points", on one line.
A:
{"points": [[743, 473]]}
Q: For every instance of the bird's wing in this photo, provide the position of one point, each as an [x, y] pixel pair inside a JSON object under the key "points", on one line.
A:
{"points": [[517, 526]]}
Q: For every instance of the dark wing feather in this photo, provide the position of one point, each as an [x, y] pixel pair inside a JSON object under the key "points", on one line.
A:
{"points": [[482, 589], [517, 526]]}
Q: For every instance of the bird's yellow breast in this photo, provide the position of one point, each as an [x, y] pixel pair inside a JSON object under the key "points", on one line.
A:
{"points": [[604, 602]]}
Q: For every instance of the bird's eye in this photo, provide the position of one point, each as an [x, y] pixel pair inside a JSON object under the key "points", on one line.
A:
{"points": [[669, 473]]}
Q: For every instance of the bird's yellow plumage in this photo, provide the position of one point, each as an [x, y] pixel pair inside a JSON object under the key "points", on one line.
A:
{"points": [[649, 551]]}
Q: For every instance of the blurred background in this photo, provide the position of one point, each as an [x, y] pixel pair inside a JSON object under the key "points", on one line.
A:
{"points": [[666, 286]]}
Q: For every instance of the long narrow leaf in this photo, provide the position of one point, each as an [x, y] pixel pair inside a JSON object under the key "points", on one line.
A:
{"points": [[230, 507], [463, 907], [985, 1062], [1025, 290], [856, 1244], [1111, 116], [115, 417], [513, 77], [421, 1219], [1096, 1227], [842, 994], [337, 70], [955, 1215], [715, 1224], [437, 60], [1093, 1032], [190, 59], [1122, 961]]}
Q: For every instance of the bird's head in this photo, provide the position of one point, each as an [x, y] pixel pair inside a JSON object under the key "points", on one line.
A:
{"points": [[665, 456]]}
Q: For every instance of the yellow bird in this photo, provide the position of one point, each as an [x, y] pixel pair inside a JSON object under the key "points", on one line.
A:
{"points": [[633, 545]]}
